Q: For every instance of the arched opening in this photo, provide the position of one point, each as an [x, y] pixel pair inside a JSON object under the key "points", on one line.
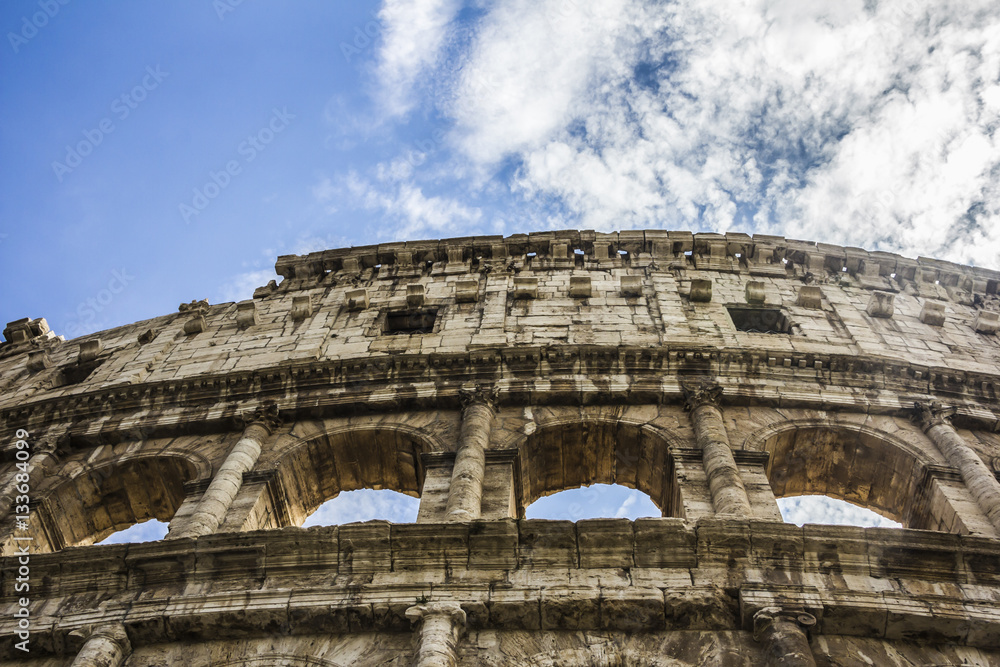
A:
{"points": [[580, 454], [831, 511], [856, 465], [597, 501], [147, 531], [323, 467], [107, 499], [365, 505]]}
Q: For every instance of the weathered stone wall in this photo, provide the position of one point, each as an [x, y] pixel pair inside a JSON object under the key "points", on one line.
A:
{"points": [[715, 373]]}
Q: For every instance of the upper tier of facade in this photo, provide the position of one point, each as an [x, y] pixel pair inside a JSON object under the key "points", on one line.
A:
{"points": [[779, 320]]}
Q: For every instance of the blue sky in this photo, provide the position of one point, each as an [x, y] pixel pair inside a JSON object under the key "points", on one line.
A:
{"points": [[158, 152]]}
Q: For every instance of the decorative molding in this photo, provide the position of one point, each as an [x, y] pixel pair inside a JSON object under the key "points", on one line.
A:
{"points": [[488, 394], [707, 392]]}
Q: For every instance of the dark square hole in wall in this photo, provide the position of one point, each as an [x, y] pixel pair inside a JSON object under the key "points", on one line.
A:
{"points": [[75, 373], [410, 322], [760, 320]]}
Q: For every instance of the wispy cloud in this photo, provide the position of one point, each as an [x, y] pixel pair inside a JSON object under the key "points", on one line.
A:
{"points": [[414, 32], [824, 510], [407, 212], [365, 505], [865, 124]]}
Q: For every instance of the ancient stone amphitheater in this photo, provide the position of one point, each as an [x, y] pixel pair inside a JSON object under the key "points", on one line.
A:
{"points": [[712, 372]]}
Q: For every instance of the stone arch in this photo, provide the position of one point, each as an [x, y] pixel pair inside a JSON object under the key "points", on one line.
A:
{"points": [[100, 499], [282, 660], [377, 456], [570, 452], [851, 462], [600, 656]]}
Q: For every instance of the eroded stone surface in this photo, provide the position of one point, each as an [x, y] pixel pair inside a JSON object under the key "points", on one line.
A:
{"points": [[479, 375]]}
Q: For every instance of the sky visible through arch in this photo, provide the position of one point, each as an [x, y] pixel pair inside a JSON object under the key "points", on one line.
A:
{"points": [[158, 152]]}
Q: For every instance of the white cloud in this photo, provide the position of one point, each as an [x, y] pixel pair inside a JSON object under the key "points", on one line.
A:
{"points": [[242, 286], [824, 510], [413, 34], [411, 213], [148, 531], [365, 505], [530, 63], [871, 124]]}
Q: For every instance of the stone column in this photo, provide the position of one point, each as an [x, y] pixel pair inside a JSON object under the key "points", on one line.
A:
{"points": [[218, 498], [978, 478], [441, 625], [465, 496], [43, 457], [729, 496], [783, 635], [106, 646]]}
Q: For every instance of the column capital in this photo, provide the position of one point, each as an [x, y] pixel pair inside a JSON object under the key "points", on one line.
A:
{"points": [[48, 446], [266, 415], [450, 610], [489, 394], [707, 392], [932, 413], [766, 617]]}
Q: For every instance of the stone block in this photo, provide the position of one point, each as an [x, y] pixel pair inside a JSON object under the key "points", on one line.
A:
{"points": [[881, 304], [579, 287], [932, 313], [414, 295], [546, 543], [365, 547], [631, 286], [631, 609], [466, 291], [605, 542], [25, 329], [515, 609], [356, 299], [701, 290], [350, 265], [755, 292], [38, 360], [420, 546], [493, 545], [565, 608], [810, 296], [664, 543], [90, 350], [246, 314], [301, 307], [987, 322], [195, 325], [525, 288]]}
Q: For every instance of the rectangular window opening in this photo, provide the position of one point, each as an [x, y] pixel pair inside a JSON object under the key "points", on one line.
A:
{"points": [[410, 322], [760, 320]]}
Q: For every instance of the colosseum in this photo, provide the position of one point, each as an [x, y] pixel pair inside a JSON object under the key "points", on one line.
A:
{"points": [[714, 373]]}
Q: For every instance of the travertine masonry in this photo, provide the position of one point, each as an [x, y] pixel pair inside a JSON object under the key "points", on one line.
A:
{"points": [[714, 373]]}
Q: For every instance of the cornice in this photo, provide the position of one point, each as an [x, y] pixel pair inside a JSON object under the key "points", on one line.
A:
{"points": [[565, 374]]}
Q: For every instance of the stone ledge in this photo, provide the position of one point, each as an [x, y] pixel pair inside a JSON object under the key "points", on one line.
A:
{"points": [[748, 551], [653, 374]]}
